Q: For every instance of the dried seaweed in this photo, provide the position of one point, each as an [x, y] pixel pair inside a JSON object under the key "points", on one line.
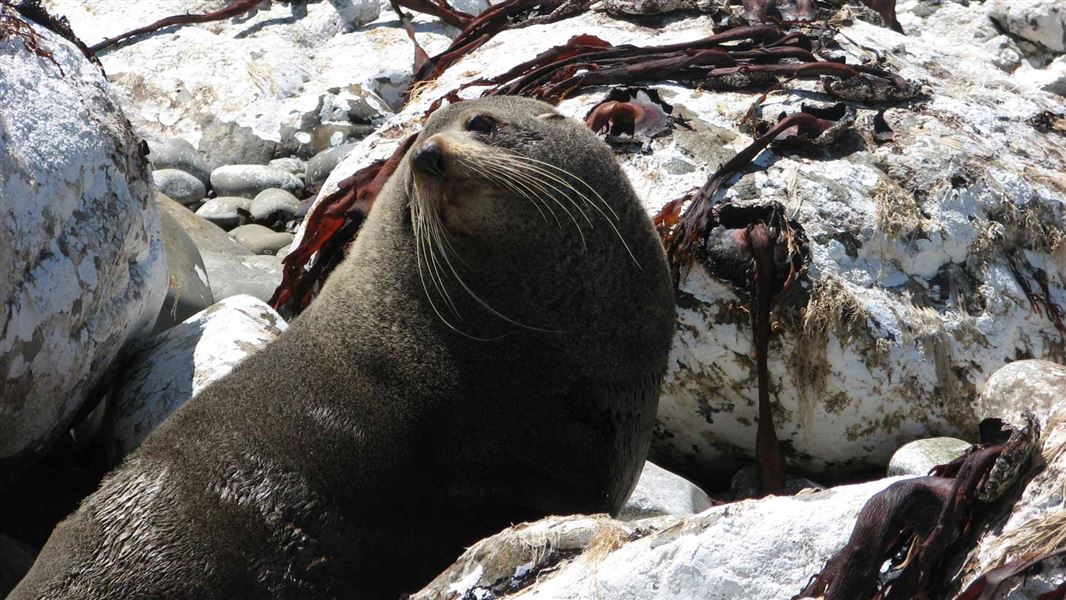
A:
{"points": [[986, 585], [32, 9], [633, 116], [1040, 302], [913, 523], [328, 231], [436, 8]]}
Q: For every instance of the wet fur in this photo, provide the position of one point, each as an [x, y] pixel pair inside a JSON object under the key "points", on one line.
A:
{"points": [[355, 456]]}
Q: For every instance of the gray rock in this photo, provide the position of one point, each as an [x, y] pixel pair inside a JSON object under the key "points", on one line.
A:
{"points": [[231, 275], [917, 457], [331, 135], [16, 559], [227, 143], [222, 211], [261, 240], [208, 237], [745, 484], [292, 165], [659, 492], [323, 163], [188, 290], [248, 180], [179, 185], [1042, 22], [274, 204], [179, 363], [176, 153]]}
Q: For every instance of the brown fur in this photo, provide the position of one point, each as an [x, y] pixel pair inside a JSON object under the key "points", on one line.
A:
{"points": [[356, 455]]}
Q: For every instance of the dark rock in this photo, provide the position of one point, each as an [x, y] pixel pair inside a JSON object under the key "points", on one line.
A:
{"points": [[207, 236], [176, 153], [323, 163], [227, 143], [16, 559], [188, 290]]}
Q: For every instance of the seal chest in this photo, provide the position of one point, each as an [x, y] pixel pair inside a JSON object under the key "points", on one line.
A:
{"points": [[490, 352]]}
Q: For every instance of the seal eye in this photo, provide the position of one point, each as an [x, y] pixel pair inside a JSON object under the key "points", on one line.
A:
{"points": [[481, 124]]}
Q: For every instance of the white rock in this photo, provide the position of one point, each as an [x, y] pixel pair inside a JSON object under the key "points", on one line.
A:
{"points": [[1040, 21], [179, 363], [267, 76], [1051, 79], [1040, 512], [659, 492], [82, 269], [915, 304], [765, 549], [917, 457]]}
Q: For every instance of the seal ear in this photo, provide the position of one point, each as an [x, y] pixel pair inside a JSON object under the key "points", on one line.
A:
{"points": [[550, 116]]}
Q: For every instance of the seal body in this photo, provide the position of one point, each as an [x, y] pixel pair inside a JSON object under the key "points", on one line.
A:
{"points": [[490, 352]]}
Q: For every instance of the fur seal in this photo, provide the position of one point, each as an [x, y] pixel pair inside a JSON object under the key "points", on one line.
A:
{"points": [[490, 352]]}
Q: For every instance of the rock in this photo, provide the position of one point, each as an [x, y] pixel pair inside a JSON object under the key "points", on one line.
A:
{"points": [[1051, 79], [231, 275], [176, 153], [919, 456], [222, 211], [1035, 522], [188, 290], [331, 135], [270, 78], [82, 268], [274, 204], [323, 163], [208, 237], [248, 180], [179, 185], [659, 492], [291, 165], [16, 559], [765, 548], [261, 240], [1040, 21], [650, 7], [909, 303], [746, 483], [179, 363]]}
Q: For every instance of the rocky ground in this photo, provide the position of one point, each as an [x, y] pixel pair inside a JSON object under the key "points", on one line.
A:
{"points": [[934, 271]]}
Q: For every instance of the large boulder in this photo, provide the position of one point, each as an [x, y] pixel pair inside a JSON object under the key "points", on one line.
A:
{"points": [[82, 269], [766, 549], [179, 363], [259, 85], [909, 301]]}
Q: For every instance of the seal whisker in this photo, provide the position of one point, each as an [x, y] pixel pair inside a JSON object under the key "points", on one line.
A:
{"points": [[540, 184], [534, 168], [503, 180], [527, 160]]}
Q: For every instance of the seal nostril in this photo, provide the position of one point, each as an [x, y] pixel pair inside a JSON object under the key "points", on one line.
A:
{"points": [[429, 159]]}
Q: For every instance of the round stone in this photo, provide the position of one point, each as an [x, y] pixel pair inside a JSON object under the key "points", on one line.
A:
{"points": [[248, 180], [222, 211], [179, 185], [274, 203], [261, 240]]}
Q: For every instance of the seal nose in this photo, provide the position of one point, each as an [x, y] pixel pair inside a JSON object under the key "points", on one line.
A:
{"points": [[429, 159]]}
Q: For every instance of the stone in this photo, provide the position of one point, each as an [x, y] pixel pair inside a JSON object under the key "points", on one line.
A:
{"points": [[1040, 21], [261, 240], [179, 363], [230, 143], [16, 559], [222, 211], [651, 7], [291, 165], [82, 267], [188, 290], [323, 163], [1035, 385], [179, 185], [231, 275], [208, 237], [918, 457], [766, 548], [659, 492], [248, 180], [176, 153], [274, 204], [1050, 79], [746, 483]]}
